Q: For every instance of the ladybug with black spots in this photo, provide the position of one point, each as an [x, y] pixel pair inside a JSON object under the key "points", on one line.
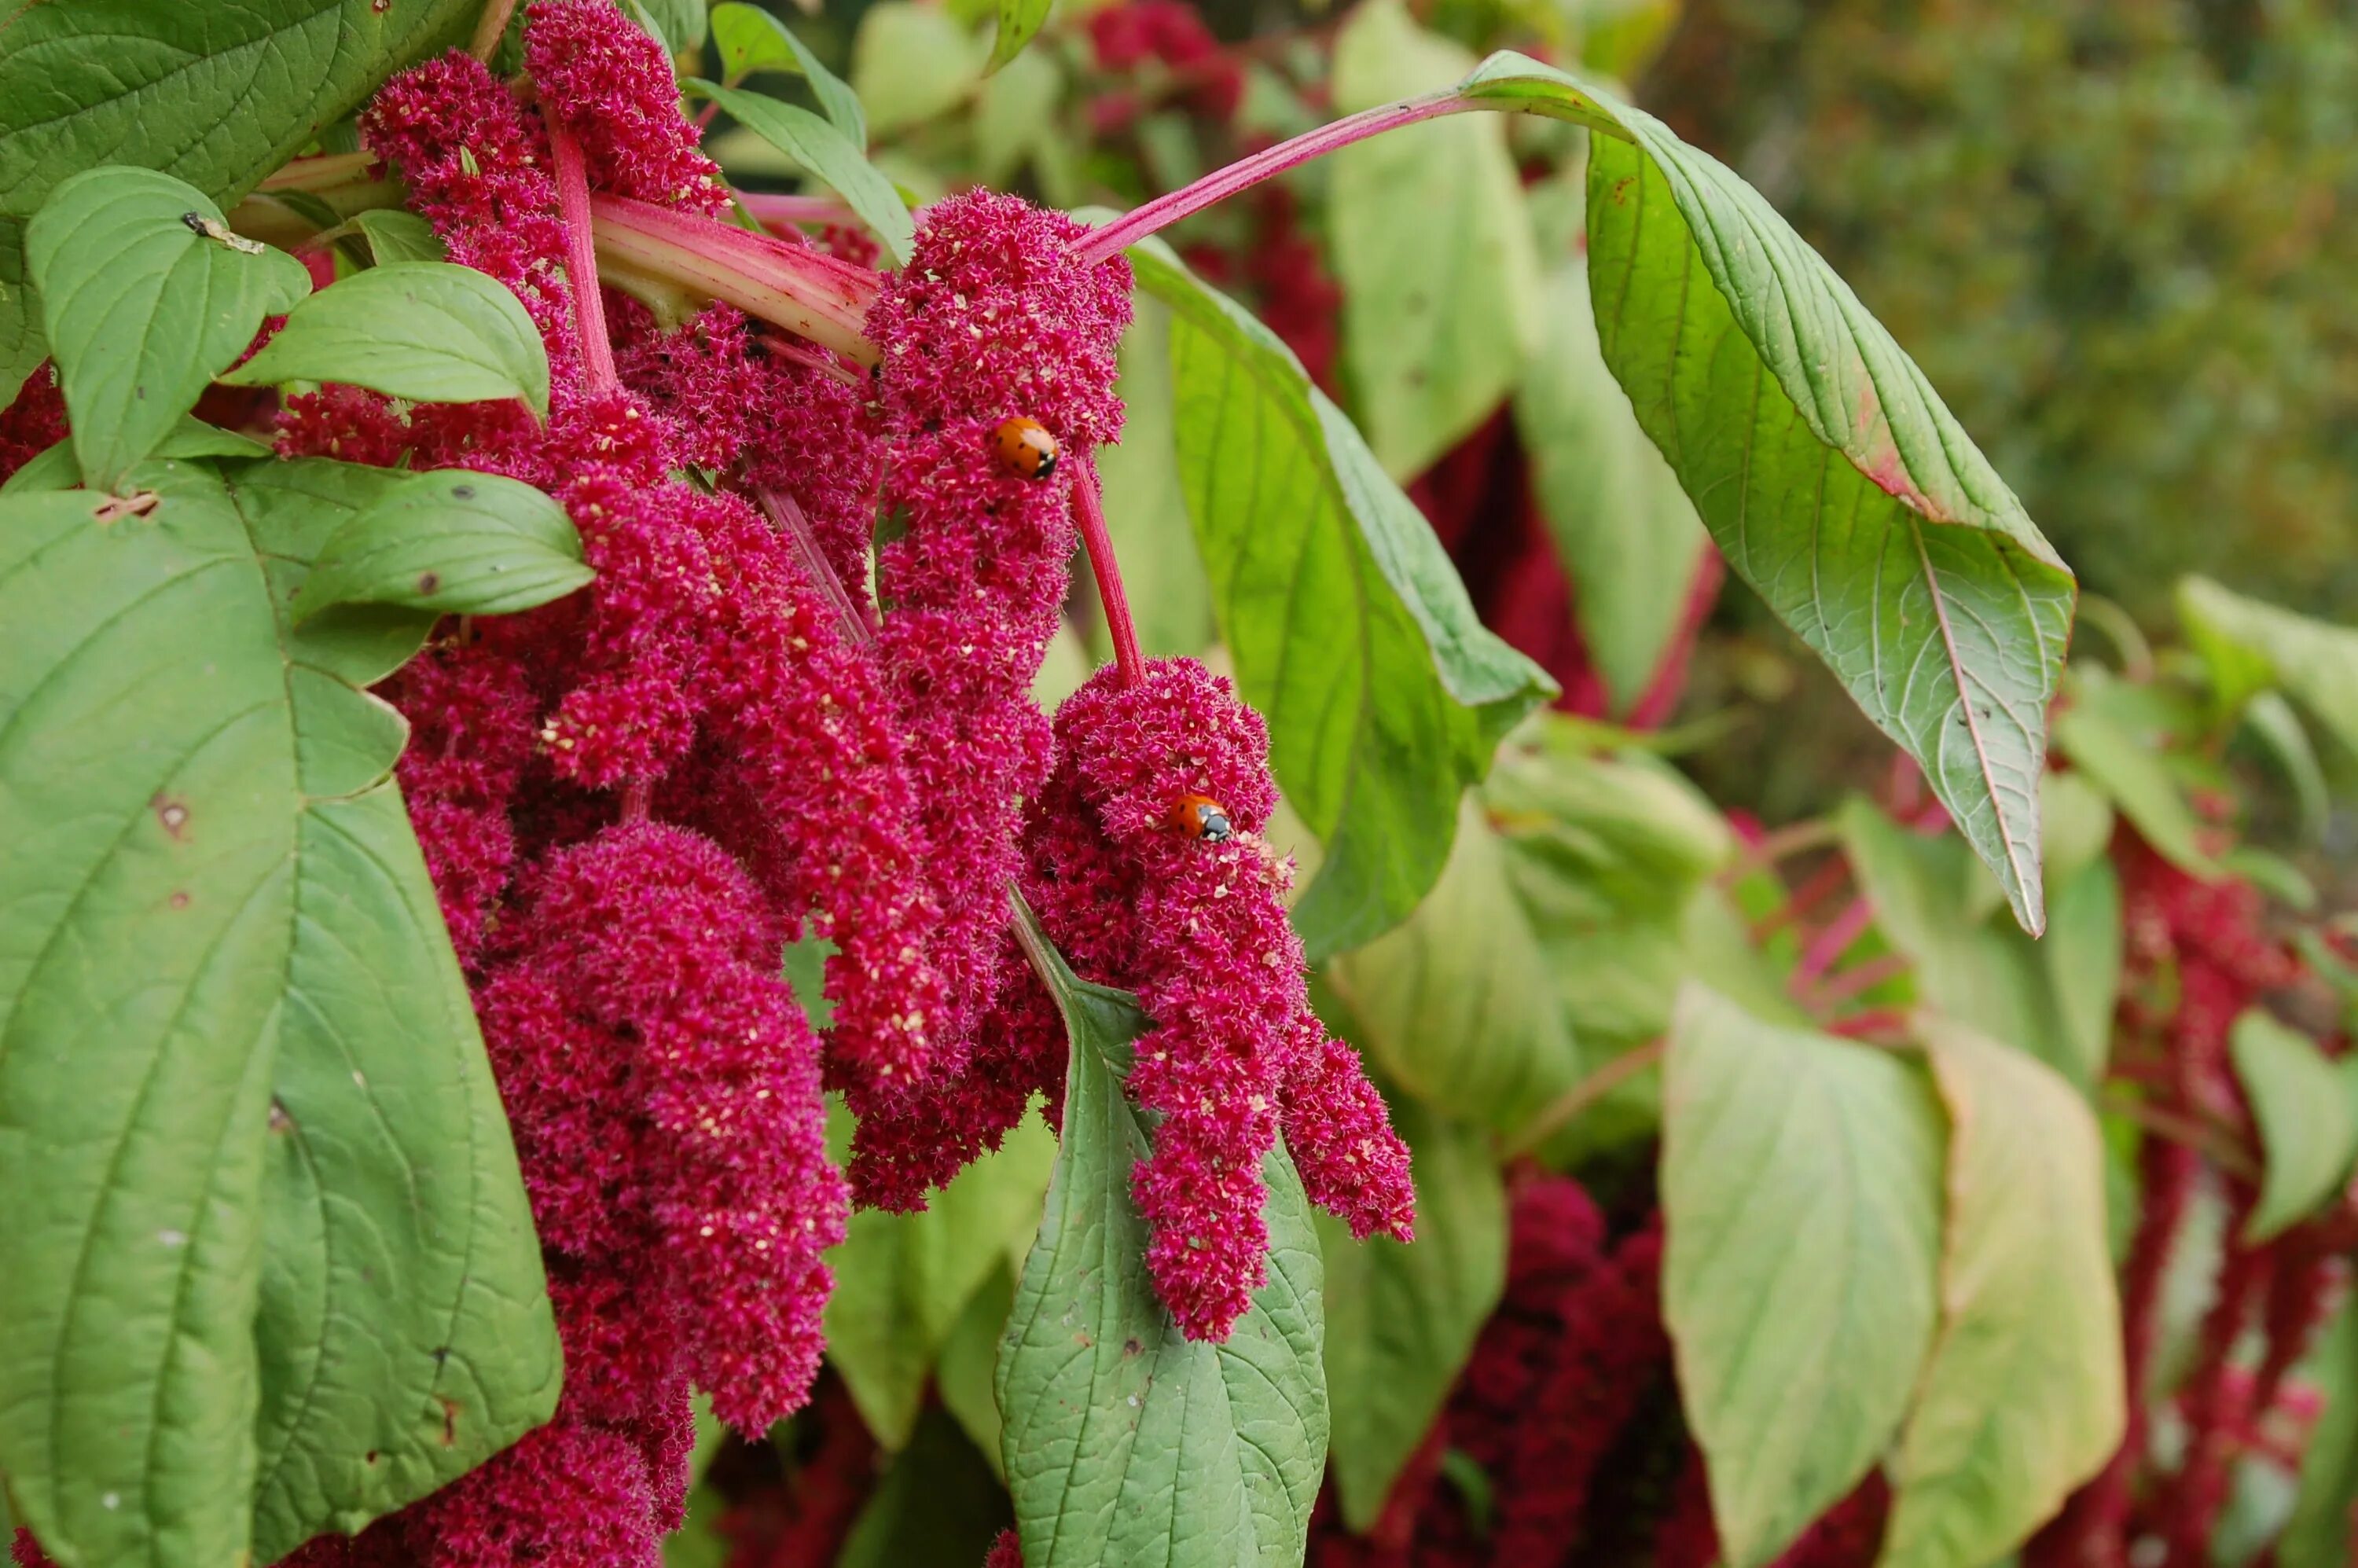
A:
{"points": [[1025, 448], [1201, 817]]}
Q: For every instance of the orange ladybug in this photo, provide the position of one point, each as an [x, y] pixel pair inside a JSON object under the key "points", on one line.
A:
{"points": [[1025, 447], [1201, 817]]}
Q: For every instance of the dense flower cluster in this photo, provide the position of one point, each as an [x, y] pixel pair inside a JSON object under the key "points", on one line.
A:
{"points": [[1575, 1344]]}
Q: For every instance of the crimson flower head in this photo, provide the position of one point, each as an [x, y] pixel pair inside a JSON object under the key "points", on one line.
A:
{"points": [[610, 84], [994, 316]]}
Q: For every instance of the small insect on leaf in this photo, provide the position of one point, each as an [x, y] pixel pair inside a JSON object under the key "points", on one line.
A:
{"points": [[213, 228]]}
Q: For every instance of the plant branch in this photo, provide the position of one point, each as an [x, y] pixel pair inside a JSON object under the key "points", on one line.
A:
{"points": [[805, 291], [1559, 1112], [1247, 172], [581, 259], [489, 26], [787, 513], [1089, 509]]}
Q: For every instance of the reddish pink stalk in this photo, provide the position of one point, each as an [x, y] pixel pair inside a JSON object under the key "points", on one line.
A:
{"points": [[806, 291], [581, 259], [1247, 172], [1088, 510], [787, 513], [1831, 943], [1859, 979]]}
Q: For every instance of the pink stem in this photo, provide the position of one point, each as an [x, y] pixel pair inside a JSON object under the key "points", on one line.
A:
{"points": [[1247, 172], [806, 291], [1831, 943], [787, 513], [489, 29], [1859, 979], [1088, 510], [581, 259]]}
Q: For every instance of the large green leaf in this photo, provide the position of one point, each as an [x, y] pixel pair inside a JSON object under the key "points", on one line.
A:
{"points": [[1433, 247], [232, 1026], [1350, 628], [903, 1280], [2302, 1103], [143, 305], [2052, 997], [451, 541], [1628, 537], [1146, 512], [2320, 1533], [1835, 481], [1402, 1319], [1017, 21], [2251, 645], [218, 95], [751, 40], [1458, 1002], [1125, 1442], [431, 332], [2021, 1400], [1801, 1210], [828, 154]]}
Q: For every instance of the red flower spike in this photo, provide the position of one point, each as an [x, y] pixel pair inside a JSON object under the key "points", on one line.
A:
{"points": [[995, 316], [34, 423], [608, 82], [570, 1494]]}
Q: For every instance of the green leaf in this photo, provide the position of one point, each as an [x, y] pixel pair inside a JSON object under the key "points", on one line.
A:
{"points": [[1350, 628], [2021, 1400], [1017, 21], [2120, 762], [2250, 645], [454, 542], [55, 468], [1801, 1210], [1835, 481], [219, 95], [233, 1025], [396, 236], [828, 154], [2309, 1126], [751, 40], [141, 309], [1125, 1442], [939, 1506], [967, 1367], [1457, 1004], [911, 62], [677, 24], [428, 332], [2278, 729], [1432, 247], [1628, 538], [2051, 997], [903, 1280], [1401, 1320], [2318, 1534], [1146, 512]]}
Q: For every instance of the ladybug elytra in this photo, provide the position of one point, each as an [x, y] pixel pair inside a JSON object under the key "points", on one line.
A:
{"points": [[1201, 817], [1025, 447]]}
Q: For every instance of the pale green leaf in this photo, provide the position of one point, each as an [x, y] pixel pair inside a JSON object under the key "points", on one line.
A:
{"points": [[1349, 629], [1125, 1442], [751, 40], [1402, 1319], [939, 1506], [1433, 247], [396, 236], [911, 62], [2280, 730], [2123, 763], [967, 1369], [1834, 479], [1017, 21], [1628, 538], [233, 1027], [2022, 1399], [1146, 512], [428, 332], [141, 309], [2320, 1533], [2051, 997], [2251, 644], [903, 1280], [827, 154], [1457, 1004], [454, 542], [1801, 1210], [2308, 1127], [677, 24]]}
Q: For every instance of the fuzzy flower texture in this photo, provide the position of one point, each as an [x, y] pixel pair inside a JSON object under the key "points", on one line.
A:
{"points": [[633, 799]]}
